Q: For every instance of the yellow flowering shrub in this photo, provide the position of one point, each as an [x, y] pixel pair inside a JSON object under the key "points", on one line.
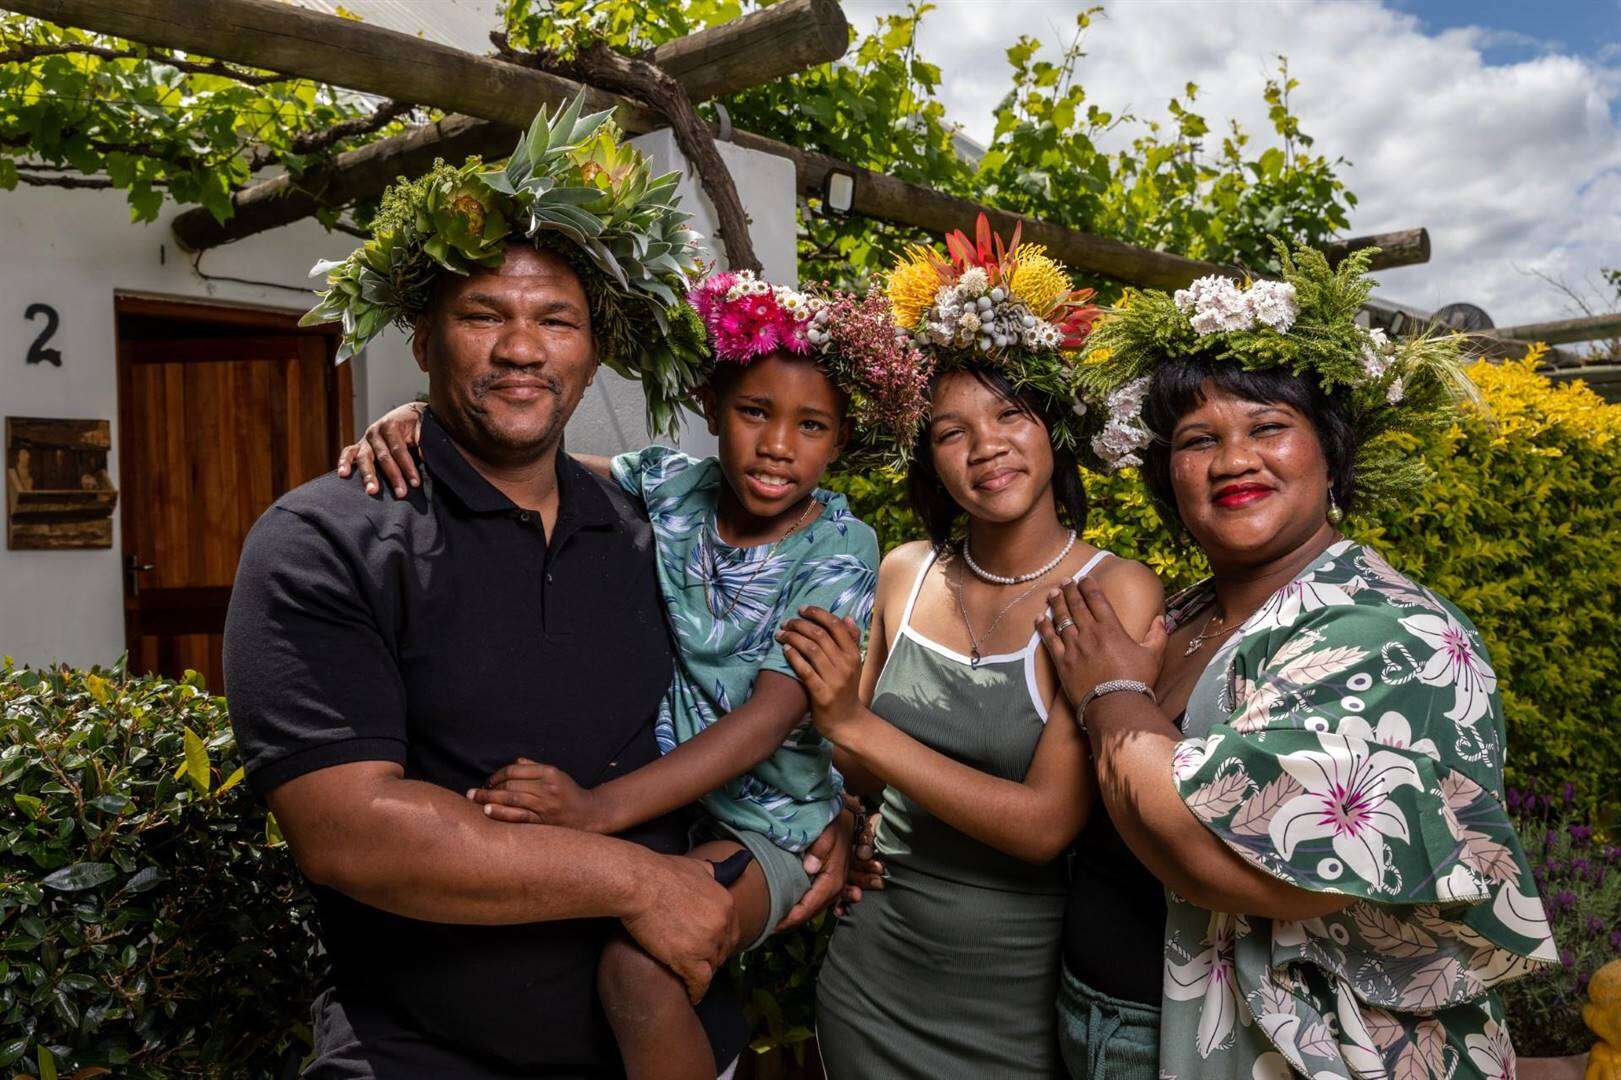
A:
{"points": [[1520, 527]]}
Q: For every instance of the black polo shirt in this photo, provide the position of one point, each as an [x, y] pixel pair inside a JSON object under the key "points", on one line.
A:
{"points": [[446, 632]]}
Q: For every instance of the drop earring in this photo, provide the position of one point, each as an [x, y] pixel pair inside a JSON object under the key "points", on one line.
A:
{"points": [[1335, 514]]}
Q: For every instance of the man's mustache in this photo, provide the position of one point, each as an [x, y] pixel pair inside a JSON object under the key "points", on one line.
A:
{"points": [[483, 384]]}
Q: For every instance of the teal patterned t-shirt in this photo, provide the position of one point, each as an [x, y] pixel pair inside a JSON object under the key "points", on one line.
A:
{"points": [[725, 604]]}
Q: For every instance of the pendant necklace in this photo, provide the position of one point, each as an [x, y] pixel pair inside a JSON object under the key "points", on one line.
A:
{"points": [[1206, 634], [962, 609]]}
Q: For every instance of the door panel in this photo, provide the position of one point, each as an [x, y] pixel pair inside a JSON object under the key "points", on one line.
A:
{"points": [[216, 422]]}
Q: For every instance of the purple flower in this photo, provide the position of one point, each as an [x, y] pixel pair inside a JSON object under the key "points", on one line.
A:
{"points": [[1565, 899], [1570, 792], [1595, 925], [1550, 838], [1615, 940], [1581, 833], [1566, 958], [1579, 867]]}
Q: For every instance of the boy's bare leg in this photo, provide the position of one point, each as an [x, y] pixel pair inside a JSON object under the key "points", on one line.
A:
{"points": [[658, 1032]]}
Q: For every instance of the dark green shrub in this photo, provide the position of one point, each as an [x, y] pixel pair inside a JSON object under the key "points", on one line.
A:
{"points": [[146, 925]]}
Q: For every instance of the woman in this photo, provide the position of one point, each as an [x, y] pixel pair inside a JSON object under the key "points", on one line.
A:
{"points": [[955, 720], [1325, 807]]}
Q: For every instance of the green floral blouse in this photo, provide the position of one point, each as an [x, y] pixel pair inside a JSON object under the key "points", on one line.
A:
{"points": [[1349, 739]]}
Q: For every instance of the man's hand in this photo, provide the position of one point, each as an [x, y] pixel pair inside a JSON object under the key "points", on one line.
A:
{"points": [[683, 919], [527, 792], [827, 860]]}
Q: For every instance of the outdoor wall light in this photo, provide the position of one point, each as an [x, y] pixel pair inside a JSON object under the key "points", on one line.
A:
{"points": [[838, 192]]}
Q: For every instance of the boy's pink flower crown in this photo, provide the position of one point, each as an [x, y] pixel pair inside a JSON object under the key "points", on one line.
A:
{"points": [[749, 318], [870, 359]]}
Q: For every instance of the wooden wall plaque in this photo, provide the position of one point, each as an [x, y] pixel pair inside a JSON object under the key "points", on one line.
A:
{"points": [[58, 493]]}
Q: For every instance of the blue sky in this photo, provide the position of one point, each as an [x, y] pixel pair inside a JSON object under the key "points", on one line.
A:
{"points": [[1529, 27]]}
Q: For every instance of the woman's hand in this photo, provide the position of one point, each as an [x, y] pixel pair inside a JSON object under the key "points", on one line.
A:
{"points": [[866, 870], [825, 652], [527, 792], [1088, 645], [827, 861], [386, 447]]}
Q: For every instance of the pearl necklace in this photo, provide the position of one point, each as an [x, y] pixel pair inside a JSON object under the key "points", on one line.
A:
{"points": [[1020, 579]]}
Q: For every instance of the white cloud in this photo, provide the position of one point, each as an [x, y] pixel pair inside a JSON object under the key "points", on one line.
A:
{"points": [[1512, 167]]}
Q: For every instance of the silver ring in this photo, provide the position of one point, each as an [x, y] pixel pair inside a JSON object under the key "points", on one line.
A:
{"points": [[1065, 625]]}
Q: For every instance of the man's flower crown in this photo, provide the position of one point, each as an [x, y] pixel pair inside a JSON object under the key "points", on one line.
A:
{"points": [[1004, 306], [571, 186], [1305, 323], [884, 376]]}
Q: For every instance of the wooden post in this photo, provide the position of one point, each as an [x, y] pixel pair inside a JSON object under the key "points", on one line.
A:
{"points": [[1405, 248]]}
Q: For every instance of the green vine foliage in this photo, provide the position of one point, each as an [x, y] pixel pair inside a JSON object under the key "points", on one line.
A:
{"points": [[153, 124]]}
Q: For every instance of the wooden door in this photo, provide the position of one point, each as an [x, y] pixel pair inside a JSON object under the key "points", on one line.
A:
{"points": [[220, 412]]}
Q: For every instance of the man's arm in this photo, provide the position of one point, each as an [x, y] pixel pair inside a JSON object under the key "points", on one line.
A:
{"points": [[417, 850]]}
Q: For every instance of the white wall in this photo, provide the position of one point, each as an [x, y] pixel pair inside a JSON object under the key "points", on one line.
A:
{"points": [[75, 249]]}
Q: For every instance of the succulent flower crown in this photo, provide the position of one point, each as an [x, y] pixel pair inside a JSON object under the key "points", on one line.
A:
{"points": [[1305, 323], [884, 376], [571, 187], [1006, 307]]}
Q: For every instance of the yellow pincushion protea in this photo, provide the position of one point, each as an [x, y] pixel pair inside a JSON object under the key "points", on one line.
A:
{"points": [[1038, 280], [912, 285]]}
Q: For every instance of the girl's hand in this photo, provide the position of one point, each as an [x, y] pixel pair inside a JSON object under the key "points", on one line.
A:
{"points": [[866, 870], [527, 792], [1088, 645], [386, 446], [825, 652]]}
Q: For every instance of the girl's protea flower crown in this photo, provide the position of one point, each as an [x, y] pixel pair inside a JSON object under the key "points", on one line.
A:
{"points": [[570, 186], [883, 375], [1010, 307], [1305, 323]]}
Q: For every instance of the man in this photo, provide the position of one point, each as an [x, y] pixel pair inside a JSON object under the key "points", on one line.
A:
{"points": [[383, 656]]}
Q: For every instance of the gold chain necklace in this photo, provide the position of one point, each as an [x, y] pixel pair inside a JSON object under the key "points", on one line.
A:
{"points": [[737, 597], [1205, 634]]}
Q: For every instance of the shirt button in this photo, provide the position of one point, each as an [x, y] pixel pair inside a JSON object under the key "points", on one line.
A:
{"points": [[524, 517], [548, 578]]}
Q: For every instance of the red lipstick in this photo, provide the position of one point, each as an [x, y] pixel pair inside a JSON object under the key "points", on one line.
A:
{"points": [[1241, 494]]}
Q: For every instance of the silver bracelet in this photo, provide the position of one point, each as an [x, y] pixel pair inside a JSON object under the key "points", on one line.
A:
{"points": [[1111, 686]]}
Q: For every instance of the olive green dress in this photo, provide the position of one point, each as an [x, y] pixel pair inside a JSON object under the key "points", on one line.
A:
{"points": [[950, 970]]}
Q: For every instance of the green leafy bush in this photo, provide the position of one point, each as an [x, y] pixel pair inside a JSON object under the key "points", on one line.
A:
{"points": [[148, 923]]}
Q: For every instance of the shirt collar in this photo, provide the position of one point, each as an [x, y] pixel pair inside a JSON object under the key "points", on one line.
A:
{"points": [[580, 499]]}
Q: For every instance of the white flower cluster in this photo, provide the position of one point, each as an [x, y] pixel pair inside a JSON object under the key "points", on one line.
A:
{"points": [[818, 332], [1124, 435], [971, 311], [795, 303], [1217, 305], [1378, 354]]}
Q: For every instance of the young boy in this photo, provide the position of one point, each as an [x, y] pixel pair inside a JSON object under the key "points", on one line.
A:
{"points": [[745, 540]]}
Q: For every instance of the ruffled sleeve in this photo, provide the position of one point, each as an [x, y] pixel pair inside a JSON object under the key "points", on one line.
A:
{"points": [[1361, 753]]}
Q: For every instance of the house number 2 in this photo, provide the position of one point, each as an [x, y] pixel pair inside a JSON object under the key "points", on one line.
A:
{"points": [[37, 352]]}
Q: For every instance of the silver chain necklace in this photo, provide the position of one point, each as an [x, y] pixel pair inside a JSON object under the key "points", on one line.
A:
{"points": [[1019, 579], [962, 609]]}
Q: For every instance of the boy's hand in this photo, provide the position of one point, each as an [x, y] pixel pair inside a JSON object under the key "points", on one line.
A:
{"points": [[528, 792], [386, 447]]}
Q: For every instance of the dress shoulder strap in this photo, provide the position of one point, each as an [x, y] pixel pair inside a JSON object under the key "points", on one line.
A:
{"points": [[917, 587], [1091, 564]]}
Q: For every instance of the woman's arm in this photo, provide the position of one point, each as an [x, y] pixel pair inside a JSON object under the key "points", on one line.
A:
{"points": [[1033, 820], [859, 779], [1134, 742]]}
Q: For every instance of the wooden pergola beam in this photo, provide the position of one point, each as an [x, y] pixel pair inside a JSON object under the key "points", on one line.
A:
{"points": [[1406, 247], [503, 97], [1564, 331]]}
